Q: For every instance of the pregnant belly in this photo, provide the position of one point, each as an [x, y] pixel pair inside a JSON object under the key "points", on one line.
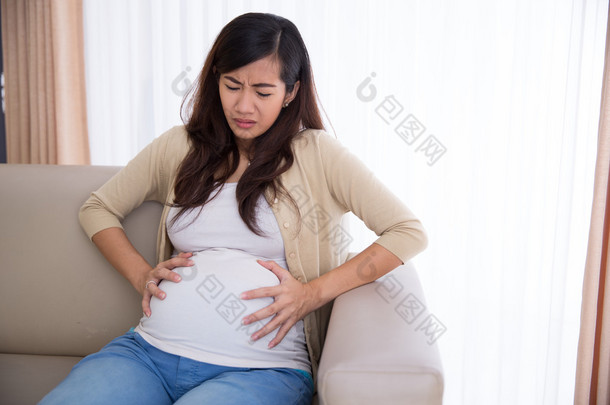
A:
{"points": [[203, 312]]}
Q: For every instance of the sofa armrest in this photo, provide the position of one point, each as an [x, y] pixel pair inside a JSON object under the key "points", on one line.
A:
{"points": [[381, 345]]}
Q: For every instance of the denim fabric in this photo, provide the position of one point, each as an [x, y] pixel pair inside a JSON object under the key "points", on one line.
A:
{"points": [[131, 371]]}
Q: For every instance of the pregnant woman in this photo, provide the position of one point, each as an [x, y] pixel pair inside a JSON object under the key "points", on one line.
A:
{"points": [[251, 251]]}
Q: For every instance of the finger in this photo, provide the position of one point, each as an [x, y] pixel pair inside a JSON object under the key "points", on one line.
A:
{"points": [[261, 314], [146, 296], [185, 255], [155, 291], [281, 334], [278, 270], [163, 273], [261, 292], [272, 325], [268, 264], [146, 304], [177, 261]]}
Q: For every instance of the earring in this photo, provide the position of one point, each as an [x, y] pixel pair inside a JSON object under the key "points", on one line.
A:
{"points": [[286, 105]]}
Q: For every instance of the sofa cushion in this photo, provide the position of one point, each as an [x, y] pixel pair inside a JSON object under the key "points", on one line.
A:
{"points": [[68, 309], [25, 379]]}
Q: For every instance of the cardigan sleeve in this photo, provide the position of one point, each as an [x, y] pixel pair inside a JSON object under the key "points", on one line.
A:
{"points": [[358, 190], [145, 177]]}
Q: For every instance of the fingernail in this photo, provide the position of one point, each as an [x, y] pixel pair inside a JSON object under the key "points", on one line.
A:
{"points": [[178, 278], [244, 321], [243, 296], [191, 262], [162, 296], [270, 345], [254, 337]]}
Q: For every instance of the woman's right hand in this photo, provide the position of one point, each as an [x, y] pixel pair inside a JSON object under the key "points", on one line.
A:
{"points": [[163, 271]]}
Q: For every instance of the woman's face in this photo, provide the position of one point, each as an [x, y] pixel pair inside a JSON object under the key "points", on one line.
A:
{"points": [[252, 98]]}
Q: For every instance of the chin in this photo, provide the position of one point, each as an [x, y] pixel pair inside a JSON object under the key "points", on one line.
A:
{"points": [[245, 133]]}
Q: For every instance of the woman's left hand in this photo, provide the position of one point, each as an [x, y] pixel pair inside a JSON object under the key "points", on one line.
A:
{"points": [[292, 301]]}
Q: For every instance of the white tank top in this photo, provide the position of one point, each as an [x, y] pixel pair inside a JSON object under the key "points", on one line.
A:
{"points": [[200, 317]]}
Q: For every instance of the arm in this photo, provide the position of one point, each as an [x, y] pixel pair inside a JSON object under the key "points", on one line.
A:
{"points": [[146, 177], [121, 254], [294, 300], [370, 264], [353, 187]]}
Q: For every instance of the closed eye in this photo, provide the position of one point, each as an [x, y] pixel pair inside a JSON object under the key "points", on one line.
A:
{"points": [[237, 88]]}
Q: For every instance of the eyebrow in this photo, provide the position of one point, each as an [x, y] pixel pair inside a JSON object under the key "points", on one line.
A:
{"points": [[234, 80]]}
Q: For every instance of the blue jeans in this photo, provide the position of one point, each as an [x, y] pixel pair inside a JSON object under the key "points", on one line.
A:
{"points": [[129, 370]]}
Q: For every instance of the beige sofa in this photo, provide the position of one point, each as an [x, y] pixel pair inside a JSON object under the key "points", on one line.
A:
{"points": [[60, 300]]}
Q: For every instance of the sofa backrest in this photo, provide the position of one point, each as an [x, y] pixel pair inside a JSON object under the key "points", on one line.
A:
{"points": [[58, 295]]}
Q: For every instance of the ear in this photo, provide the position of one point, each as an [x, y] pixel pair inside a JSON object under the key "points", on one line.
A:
{"points": [[291, 96]]}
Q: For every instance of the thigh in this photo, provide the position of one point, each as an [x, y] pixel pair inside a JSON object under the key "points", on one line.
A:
{"points": [[120, 373], [280, 386]]}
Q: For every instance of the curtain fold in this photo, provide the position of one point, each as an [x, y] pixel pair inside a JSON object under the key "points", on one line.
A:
{"points": [[593, 363], [46, 114]]}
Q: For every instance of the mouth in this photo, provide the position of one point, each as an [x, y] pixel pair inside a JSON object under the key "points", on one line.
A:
{"points": [[244, 123]]}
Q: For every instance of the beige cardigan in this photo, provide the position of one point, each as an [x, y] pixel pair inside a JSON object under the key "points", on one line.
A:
{"points": [[326, 181]]}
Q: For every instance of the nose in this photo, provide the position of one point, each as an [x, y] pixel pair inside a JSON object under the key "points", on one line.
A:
{"points": [[245, 103]]}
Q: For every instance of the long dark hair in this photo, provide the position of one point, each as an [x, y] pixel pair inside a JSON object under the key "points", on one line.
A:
{"points": [[246, 39]]}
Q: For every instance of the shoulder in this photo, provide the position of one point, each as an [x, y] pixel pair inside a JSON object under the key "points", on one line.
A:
{"points": [[172, 145], [314, 141], [175, 140]]}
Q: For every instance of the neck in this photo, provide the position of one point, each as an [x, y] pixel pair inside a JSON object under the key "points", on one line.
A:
{"points": [[245, 149]]}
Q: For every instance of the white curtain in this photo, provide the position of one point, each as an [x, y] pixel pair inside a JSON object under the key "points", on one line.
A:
{"points": [[480, 114]]}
